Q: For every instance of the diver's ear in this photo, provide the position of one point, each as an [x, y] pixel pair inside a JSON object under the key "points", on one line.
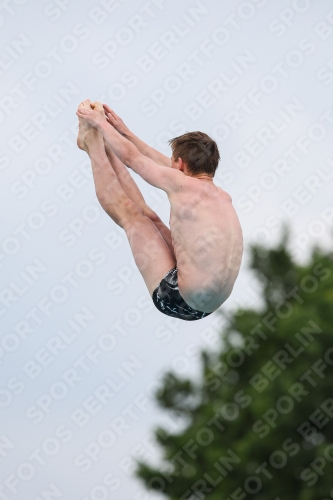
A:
{"points": [[181, 164]]}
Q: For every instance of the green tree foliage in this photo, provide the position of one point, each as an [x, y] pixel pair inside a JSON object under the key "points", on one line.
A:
{"points": [[259, 422]]}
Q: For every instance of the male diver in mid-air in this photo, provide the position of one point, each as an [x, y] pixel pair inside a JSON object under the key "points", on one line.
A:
{"points": [[189, 269]]}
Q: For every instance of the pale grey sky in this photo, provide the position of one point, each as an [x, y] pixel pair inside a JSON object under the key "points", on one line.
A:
{"points": [[257, 76]]}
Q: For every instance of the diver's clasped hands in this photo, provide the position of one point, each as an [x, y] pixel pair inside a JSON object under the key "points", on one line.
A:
{"points": [[95, 117]]}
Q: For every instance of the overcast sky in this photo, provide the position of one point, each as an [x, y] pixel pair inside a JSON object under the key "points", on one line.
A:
{"points": [[77, 319]]}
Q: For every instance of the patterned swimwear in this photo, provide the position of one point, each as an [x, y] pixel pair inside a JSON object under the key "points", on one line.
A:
{"points": [[168, 300]]}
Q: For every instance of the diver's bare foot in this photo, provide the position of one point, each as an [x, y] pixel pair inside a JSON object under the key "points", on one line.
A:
{"points": [[87, 133], [84, 127], [98, 106]]}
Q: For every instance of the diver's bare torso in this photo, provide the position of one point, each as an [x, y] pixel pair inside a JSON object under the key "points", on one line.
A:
{"points": [[208, 243]]}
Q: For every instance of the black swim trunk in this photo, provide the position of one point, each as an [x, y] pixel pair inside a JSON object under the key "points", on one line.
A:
{"points": [[168, 300]]}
